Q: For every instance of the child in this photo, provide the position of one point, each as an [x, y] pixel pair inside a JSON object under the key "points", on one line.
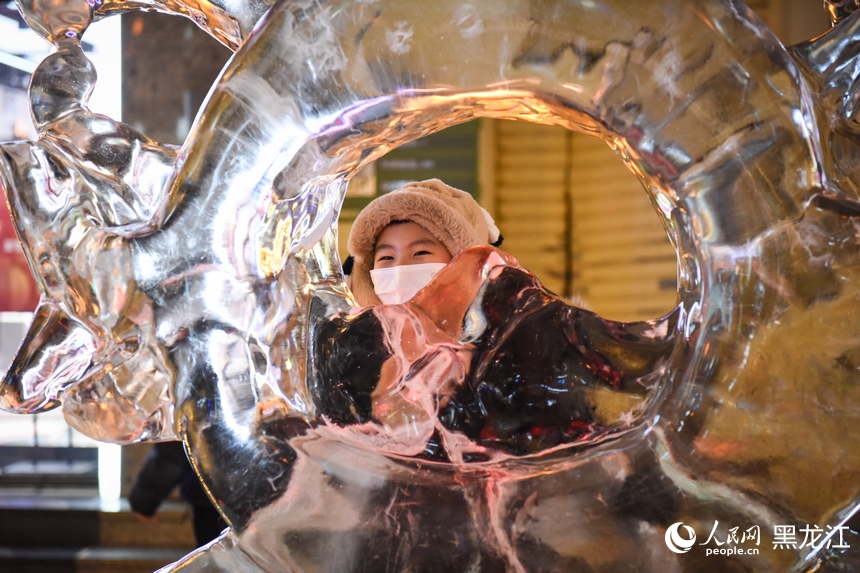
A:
{"points": [[402, 239], [484, 361]]}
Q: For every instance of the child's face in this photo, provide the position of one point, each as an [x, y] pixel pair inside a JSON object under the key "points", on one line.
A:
{"points": [[408, 244]]}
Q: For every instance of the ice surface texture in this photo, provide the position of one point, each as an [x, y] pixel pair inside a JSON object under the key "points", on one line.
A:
{"points": [[487, 424]]}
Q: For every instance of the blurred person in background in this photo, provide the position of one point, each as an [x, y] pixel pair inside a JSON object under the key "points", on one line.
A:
{"points": [[167, 466]]}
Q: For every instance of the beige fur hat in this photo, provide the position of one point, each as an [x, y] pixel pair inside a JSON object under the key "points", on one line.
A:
{"points": [[450, 215]]}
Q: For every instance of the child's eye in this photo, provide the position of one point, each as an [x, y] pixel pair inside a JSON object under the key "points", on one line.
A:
{"points": [[420, 253], [385, 258]]}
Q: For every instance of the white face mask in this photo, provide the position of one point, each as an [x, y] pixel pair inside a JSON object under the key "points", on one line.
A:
{"points": [[396, 285]]}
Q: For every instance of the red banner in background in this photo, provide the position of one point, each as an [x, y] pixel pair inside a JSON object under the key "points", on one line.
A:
{"points": [[18, 291]]}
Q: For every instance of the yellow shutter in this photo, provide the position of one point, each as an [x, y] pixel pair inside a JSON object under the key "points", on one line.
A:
{"points": [[624, 265], [529, 197], [574, 215]]}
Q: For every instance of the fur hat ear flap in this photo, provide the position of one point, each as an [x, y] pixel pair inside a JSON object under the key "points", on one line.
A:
{"points": [[495, 237]]}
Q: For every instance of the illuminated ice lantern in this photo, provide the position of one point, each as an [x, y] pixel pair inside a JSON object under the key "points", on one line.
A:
{"points": [[199, 294]]}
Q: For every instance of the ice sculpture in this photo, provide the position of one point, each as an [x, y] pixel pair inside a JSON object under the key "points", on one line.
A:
{"points": [[197, 293]]}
